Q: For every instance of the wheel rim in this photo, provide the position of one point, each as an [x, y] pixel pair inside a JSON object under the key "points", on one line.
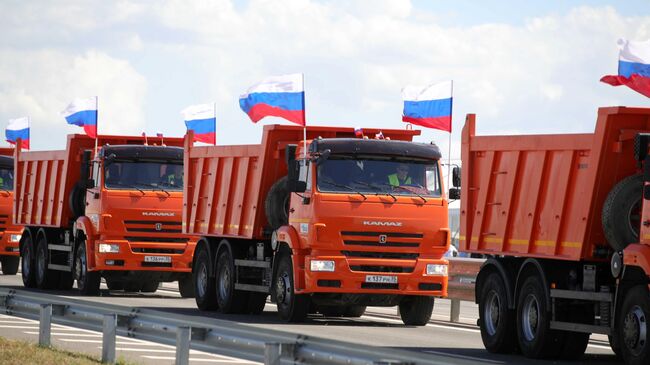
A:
{"points": [[80, 268], [634, 218], [40, 265], [224, 281], [635, 330], [26, 261], [283, 290], [530, 317], [202, 280], [491, 313]]}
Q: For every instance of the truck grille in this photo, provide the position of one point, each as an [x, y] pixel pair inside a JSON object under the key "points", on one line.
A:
{"points": [[381, 255], [144, 226], [156, 239], [382, 239], [375, 268], [4, 220], [157, 250]]}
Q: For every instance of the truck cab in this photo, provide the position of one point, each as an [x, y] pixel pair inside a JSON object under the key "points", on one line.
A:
{"points": [[9, 233]]}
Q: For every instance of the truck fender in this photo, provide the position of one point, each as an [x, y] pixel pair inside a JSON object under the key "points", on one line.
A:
{"points": [[288, 235], [493, 265], [83, 224], [534, 265]]}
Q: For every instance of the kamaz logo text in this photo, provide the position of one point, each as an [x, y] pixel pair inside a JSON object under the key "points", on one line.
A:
{"points": [[382, 224], [158, 214]]}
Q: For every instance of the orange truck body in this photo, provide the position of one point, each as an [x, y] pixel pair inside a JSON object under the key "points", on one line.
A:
{"points": [[141, 224], [225, 194], [9, 232], [534, 205]]}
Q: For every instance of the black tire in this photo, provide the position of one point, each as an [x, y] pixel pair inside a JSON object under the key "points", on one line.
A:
{"points": [[256, 303], [27, 262], [114, 285], [416, 310], [621, 212], [205, 292], [536, 339], [331, 310], [574, 344], [133, 286], [45, 278], [87, 281], [10, 264], [229, 299], [496, 321], [354, 311], [632, 326], [77, 200], [186, 286], [150, 286], [292, 307], [66, 280], [277, 203], [615, 345]]}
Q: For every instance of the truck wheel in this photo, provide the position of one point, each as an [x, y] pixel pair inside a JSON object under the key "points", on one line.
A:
{"points": [[354, 311], [115, 285], [45, 278], [633, 329], [496, 321], [186, 286], [150, 286], [575, 343], [276, 204], [10, 265], [416, 310], [229, 299], [77, 200], [204, 286], [256, 303], [331, 310], [27, 263], [536, 339], [614, 344], [292, 307], [66, 280], [133, 286], [622, 211], [87, 281]]}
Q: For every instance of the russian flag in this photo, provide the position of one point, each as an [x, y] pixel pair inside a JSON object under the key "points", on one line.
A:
{"points": [[202, 119], [276, 96], [18, 128], [83, 112], [429, 106], [633, 67]]}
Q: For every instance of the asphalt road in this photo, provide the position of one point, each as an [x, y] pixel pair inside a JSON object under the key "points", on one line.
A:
{"points": [[379, 327]]}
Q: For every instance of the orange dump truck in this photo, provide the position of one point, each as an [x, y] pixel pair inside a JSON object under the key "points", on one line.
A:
{"points": [[9, 233], [320, 230], [116, 214], [565, 223]]}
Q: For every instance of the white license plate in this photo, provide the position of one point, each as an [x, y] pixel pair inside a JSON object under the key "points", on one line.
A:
{"points": [[163, 259], [384, 279]]}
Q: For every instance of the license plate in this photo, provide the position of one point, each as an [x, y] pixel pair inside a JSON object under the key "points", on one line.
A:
{"points": [[162, 259], [384, 279]]}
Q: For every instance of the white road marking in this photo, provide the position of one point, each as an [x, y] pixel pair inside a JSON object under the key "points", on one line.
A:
{"points": [[22, 327], [98, 341], [66, 334], [198, 360], [600, 347]]}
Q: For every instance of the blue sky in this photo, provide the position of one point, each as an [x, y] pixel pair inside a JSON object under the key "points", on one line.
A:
{"points": [[531, 68]]}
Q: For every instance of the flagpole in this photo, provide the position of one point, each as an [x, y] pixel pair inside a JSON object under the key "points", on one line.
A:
{"points": [[451, 114], [304, 120], [215, 123], [96, 124]]}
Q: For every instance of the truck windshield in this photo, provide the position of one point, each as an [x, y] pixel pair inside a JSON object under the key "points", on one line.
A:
{"points": [[6, 179], [125, 175], [376, 176]]}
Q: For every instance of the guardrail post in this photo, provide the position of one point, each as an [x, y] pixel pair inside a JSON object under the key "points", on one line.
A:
{"points": [[183, 337], [45, 325], [454, 316], [272, 353], [108, 339]]}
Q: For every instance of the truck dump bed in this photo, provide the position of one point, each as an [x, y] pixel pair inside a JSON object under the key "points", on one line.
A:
{"points": [[542, 195], [44, 179], [226, 186]]}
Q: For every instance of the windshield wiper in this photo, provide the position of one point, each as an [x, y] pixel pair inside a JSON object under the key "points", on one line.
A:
{"points": [[344, 187], [127, 186], [410, 191], [376, 187]]}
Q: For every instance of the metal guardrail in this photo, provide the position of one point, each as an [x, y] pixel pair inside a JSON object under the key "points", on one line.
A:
{"points": [[199, 333], [462, 277]]}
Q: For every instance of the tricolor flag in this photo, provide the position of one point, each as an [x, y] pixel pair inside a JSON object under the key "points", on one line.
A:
{"points": [[83, 112], [202, 119], [358, 132], [633, 67], [18, 128], [428, 106], [276, 96]]}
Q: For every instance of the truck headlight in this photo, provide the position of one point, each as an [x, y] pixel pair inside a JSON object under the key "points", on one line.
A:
{"points": [[435, 269], [14, 237], [109, 248], [321, 265]]}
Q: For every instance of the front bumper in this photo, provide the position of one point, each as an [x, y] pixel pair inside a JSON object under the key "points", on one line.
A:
{"points": [[9, 247], [167, 257], [346, 280]]}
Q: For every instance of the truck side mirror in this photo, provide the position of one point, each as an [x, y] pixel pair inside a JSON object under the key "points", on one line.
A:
{"points": [[454, 194], [455, 177], [293, 168]]}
